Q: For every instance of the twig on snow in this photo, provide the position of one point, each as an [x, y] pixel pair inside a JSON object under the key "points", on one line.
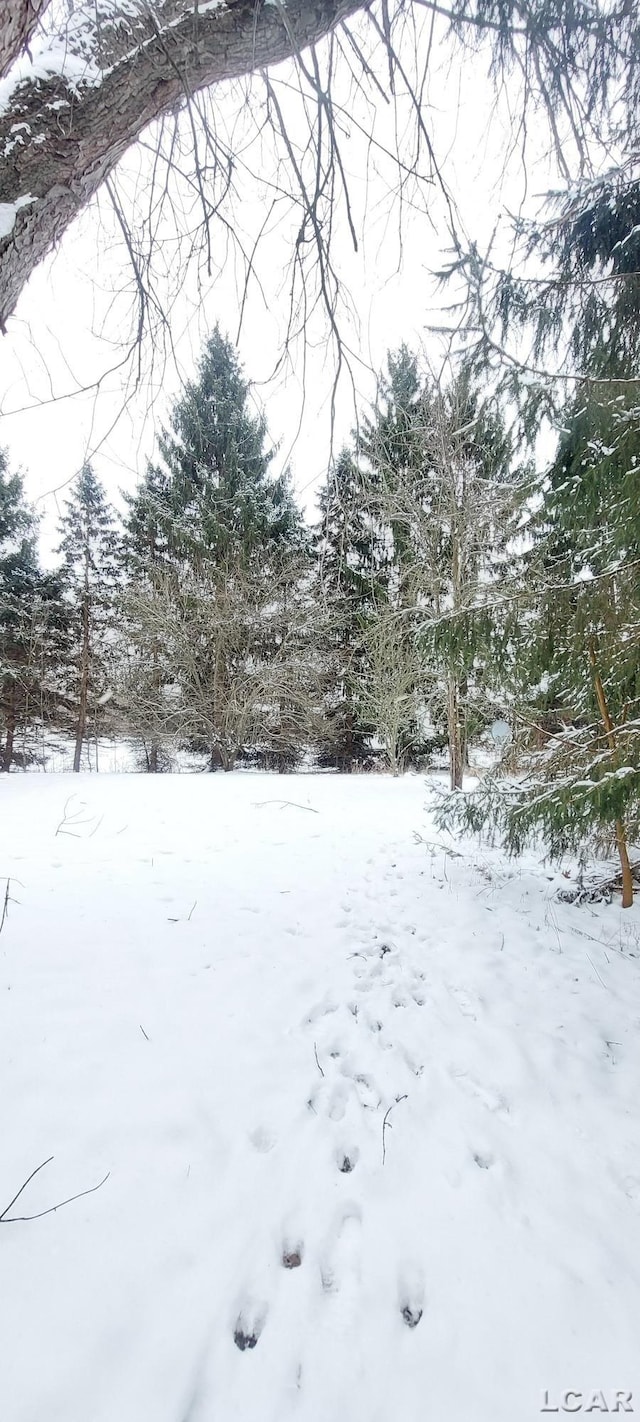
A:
{"points": [[386, 1124], [5, 906], [184, 920], [143, 1031], [601, 980], [74, 818], [315, 1053], [8, 899], [6, 1218], [285, 804], [433, 845]]}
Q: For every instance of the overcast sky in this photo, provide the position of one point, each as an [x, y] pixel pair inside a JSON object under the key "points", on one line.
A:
{"points": [[73, 317]]}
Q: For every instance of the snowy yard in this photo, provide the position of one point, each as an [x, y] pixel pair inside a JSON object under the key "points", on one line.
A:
{"points": [[216, 997]]}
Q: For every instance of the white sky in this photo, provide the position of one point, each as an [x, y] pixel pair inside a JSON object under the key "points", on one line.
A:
{"points": [[72, 318]]}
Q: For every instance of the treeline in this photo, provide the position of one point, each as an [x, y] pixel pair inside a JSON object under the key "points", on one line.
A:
{"points": [[213, 618], [446, 586]]}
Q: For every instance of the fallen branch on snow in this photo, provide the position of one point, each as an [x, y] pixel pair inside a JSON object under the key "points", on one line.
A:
{"points": [[285, 804], [6, 1218], [386, 1124]]}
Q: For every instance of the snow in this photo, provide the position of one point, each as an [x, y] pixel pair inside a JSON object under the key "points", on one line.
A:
{"points": [[214, 990], [68, 44], [53, 57], [9, 212]]}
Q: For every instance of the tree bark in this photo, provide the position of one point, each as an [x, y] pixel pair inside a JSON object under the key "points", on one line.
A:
{"points": [[619, 829], [84, 687], [18, 20], [72, 131], [7, 753], [456, 756]]}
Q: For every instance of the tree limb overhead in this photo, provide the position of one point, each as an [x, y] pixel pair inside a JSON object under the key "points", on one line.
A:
{"points": [[67, 123], [18, 20]]}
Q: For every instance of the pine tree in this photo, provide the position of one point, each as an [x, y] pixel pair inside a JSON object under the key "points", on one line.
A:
{"points": [[390, 444], [585, 785], [32, 620], [445, 490], [89, 547], [578, 751], [145, 673], [215, 458], [348, 578], [215, 546]]}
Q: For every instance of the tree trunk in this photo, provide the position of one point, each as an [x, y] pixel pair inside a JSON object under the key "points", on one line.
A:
{"points": [[84, 686], [619, 829], [454, 728], [136, 71], [18, 20], [152, 762], [7, 754]]}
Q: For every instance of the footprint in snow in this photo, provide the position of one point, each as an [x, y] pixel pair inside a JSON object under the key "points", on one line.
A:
{"points": [[335, 1098], [341, 1264], [249, 1325], [321, 1009], [492, 1100], [411, 1296], [465, 1002], [368, 1093], [262, 1140], [347, 1160], [292, 1256]]}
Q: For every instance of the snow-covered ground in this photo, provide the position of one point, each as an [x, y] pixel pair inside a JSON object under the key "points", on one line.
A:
{"points": [[216, 989]]}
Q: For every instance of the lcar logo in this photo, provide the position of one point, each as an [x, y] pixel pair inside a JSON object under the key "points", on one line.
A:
{"points": [[591, 1402]]}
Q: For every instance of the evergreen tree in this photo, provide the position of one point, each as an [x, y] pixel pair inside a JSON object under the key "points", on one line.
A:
{"points": [[213, 532], [348, 577], [450, 503], [90, 569], [390, 444], [217, 464], [32, 621], [144, 669], [578, 752]]}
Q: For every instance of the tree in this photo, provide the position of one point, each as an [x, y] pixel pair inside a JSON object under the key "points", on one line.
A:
{"points": [[578, 750], [452, 502], [90, 572], [216, 466], [388, 681], [144, 672], [31, 619], [244, 670], [97, 78], [218, 560], [348, 556]]}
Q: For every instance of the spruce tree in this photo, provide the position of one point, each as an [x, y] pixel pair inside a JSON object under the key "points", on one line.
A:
{"points": [[214, 543], [448, 502], [144, 669], [216, 459], [90, 571], [32, 622], [348, 553], [578, 750], [584, 785]]}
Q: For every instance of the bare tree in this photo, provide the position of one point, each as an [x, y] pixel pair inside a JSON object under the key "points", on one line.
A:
{"points": [[454, 504], [108, 71], [241, 670], [388, 683], [100, 72]]}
